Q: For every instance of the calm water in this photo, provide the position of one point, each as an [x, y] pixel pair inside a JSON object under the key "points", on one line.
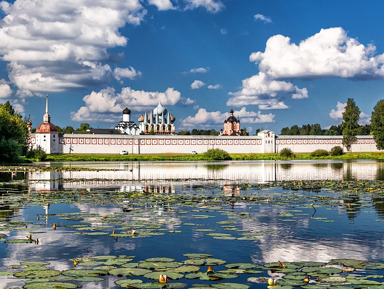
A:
{"points": [[281, 225]]}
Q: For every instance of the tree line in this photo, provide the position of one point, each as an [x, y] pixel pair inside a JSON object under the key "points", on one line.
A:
{"points": [[349, 127]]}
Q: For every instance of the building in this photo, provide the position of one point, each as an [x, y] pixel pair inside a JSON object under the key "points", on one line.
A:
{"points": [[159, 121], [231, 125], [47, 134], [127, 126]]}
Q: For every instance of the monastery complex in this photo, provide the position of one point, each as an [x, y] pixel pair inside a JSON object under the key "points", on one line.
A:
{"points": [[155, 134]]}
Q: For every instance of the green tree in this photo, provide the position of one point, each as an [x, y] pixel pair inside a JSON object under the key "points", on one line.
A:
{"points": [[350, 123], [285, 131], [83, 127], [305, 129], [377, 124], [68, 129], [13, 134], [294, 130], [316, 130], [184, 132], [244, 132]]}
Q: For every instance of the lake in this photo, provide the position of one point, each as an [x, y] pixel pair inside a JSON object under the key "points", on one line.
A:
{"points": [[121, 224]]}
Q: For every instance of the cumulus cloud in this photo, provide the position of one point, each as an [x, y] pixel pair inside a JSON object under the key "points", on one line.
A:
{"points": [[208, 118], [337, 114], [106, 102], [328, 53], [262, 18], [213, 6], [187, 101], [199, 70], [216, 86], [5, 89], [162, 4], [56, 45], [197, 84], [130, 73], [264, 91]]}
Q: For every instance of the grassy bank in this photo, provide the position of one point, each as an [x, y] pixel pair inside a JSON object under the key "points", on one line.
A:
{"points": [[201, 157]]}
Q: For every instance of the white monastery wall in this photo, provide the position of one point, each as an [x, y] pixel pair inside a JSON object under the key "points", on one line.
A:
{"points": [[308, 143], [266, 142]]}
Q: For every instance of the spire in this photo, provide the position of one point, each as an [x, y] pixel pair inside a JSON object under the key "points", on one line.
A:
{"points": [[47, 117]]}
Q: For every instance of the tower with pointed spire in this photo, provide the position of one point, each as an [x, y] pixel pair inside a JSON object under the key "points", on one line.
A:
{"points": [[47, 134], [159, 121]]}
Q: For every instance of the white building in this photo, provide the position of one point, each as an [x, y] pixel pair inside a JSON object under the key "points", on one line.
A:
{"points": [[127, 126], [159, 121]]}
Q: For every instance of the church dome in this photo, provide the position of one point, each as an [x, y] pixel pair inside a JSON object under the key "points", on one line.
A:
{"points": [[141, 118], [126, 111], [172, 118], [160, 110], [46, 127]]}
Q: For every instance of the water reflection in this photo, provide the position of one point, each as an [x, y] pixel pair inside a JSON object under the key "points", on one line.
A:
{"points": [[282, 221]]}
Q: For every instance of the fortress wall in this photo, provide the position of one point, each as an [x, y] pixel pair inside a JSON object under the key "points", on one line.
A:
{"points": [[302, 144], [73, 143], [156, 144]]}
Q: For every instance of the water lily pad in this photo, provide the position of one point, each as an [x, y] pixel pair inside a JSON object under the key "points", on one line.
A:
{"points": [[37, 274], [230, 285], [128, 283], [155, 275], [197, 255], [84, 272], [186, 269], [50, 285]]}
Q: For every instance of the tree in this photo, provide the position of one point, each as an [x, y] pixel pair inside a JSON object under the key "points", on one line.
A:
{"points": [[13, 134], [294, 130], [350, 123], [316, 130], [377, 124], [83, 127]]}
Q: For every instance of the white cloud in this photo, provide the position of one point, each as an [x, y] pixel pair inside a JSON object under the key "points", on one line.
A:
{"points": [[206, 118], [263, 91], [197, 84], [262, 18], [211, 5], [162, 4], [106, 102], [199, 70], [328, 53], [130, 73], [5, 89], [340, 109], [216, 86], [56, 45], [187, 101], [338, 112], [223, 31]]}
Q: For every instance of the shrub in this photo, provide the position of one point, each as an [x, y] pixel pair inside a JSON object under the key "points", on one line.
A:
{"points": [[287, 153], [37, 154], [337, 151], [216, 155], [319, 153]]}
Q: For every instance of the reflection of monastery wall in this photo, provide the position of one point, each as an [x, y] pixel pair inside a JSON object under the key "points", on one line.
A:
{"points": [[135, 175], [265, 142]]}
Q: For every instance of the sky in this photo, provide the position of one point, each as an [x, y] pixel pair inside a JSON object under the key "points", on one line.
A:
{"points": [[276, 63]]}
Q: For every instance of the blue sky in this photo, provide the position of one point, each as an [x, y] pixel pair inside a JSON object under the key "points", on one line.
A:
{"points": [[276, 63]]}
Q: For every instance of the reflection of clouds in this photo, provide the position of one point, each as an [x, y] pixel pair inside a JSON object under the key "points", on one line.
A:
{"points": [[101, 211], [302, 250], [283, 240]]}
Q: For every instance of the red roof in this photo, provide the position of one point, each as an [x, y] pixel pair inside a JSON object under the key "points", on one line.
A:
{"points": [[46, 127]]}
